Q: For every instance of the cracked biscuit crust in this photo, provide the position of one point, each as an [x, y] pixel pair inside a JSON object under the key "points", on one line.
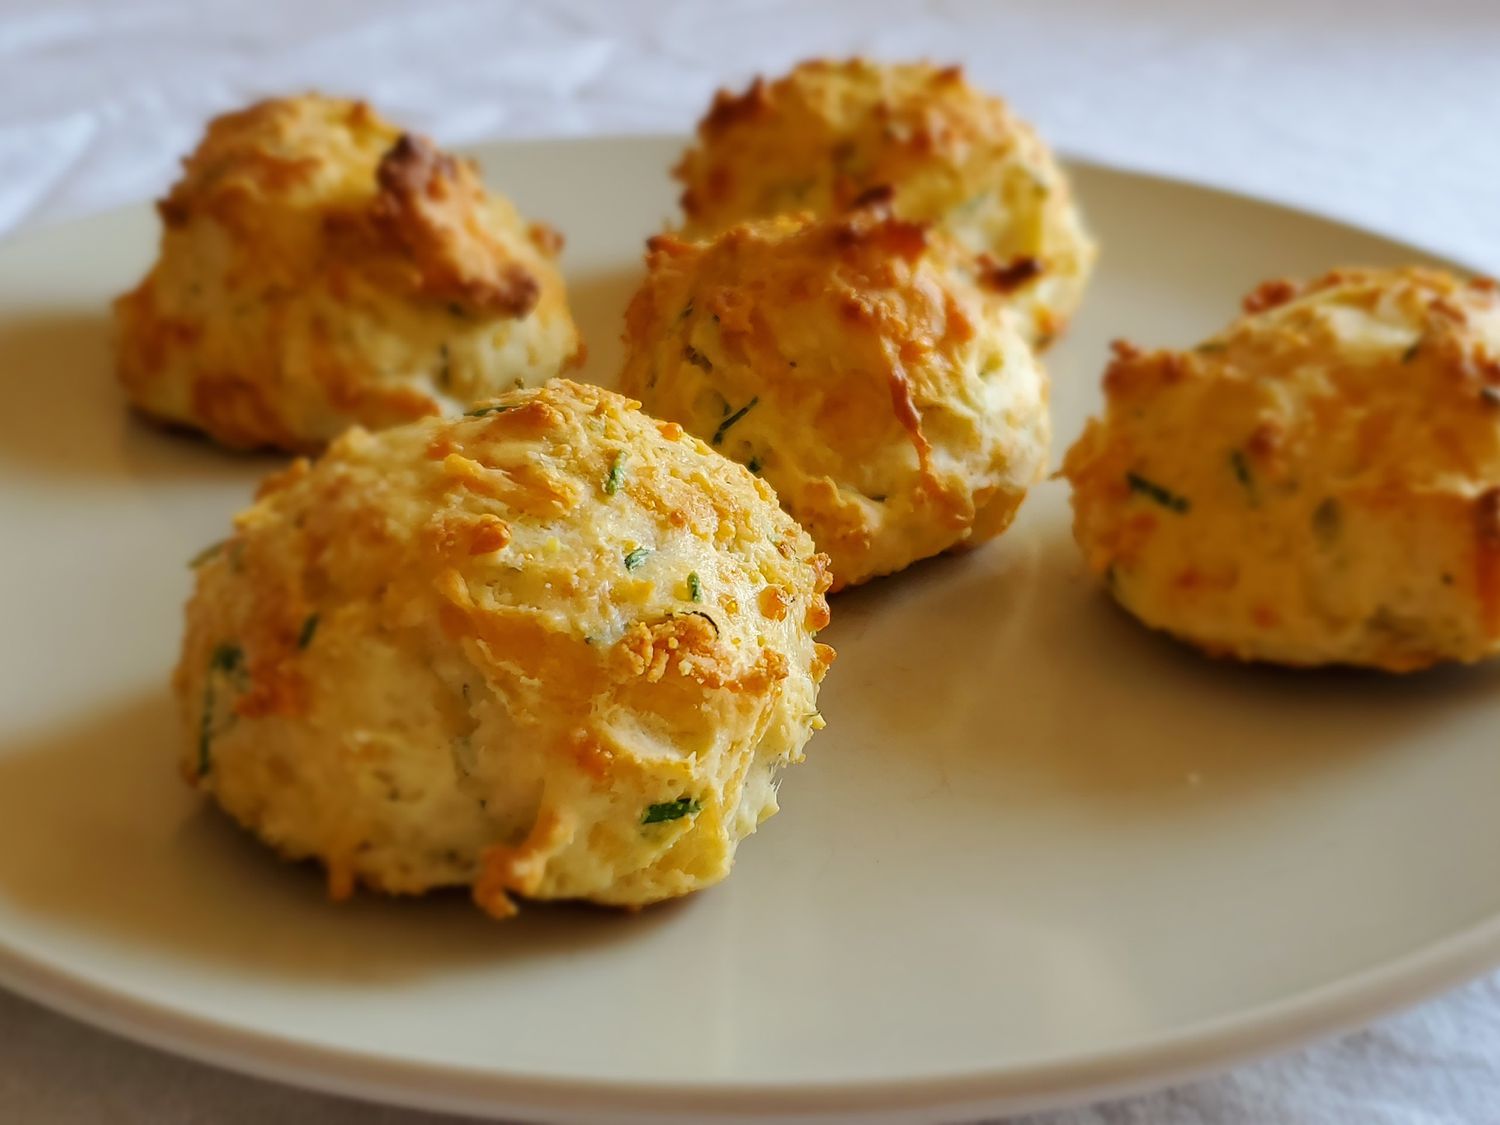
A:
{"points": [[891, 402], [555, 649], [832, 135], [1319, 483], [319, 268]]}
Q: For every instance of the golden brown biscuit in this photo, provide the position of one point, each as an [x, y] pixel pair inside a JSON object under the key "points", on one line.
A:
{"points": [[552, 648], [1317, 484], [892, 404], [320, 268], [832, 133]]}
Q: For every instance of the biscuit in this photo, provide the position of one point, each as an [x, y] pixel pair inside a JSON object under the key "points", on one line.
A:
{"points": [[553, 648], [319, 268], [891, 403], [830, 134], [1319, 483]]}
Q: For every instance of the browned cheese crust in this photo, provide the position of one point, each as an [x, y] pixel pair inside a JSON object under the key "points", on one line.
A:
{"points": [[320, 268], [554, 649], [830, 136], [1317, 484], [890, 401]]}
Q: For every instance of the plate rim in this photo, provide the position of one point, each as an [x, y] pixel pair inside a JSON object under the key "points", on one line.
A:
{"points": [[1047, 1082], [1201, 1048], [1070, 158]]}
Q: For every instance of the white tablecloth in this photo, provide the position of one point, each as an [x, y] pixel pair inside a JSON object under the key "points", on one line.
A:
{"points": [[1384, 113]]}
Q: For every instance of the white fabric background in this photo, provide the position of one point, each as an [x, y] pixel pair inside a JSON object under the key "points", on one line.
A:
{"points": [[1387, 114]]}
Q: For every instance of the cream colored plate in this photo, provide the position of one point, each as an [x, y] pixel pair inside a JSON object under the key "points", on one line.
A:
{"points": [[1038, 854]]}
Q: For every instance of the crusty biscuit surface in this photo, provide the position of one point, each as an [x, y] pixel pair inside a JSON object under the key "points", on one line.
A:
{"points": [[553, 648], [319, 268], [1317, 484], [829, 134], [891, 403]]}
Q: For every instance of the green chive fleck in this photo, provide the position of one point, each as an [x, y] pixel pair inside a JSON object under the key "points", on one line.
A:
{"points": [[1209, 346], [687, 311], [753, 465], [633, 559], [1411, 353], [732, 419], [616, 476], [481, 411], [206, 732], [226, 658], [1327, 519], [671, 810], [695, 587], [1153, 491], [1241, 466], [207, 553], [697, 358], [309, 627]]}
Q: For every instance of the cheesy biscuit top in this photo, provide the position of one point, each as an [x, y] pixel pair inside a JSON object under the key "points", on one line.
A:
{"points": [[1318, 483], [828, 134], [552, 648], [891, 403], [320, 268]]}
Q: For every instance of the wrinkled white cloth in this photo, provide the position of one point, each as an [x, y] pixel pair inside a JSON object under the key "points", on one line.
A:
{"points": [[1380, 112]]}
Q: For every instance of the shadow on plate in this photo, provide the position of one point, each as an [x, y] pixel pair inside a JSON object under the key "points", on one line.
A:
{"points": [[62, 414], [1024, 682], [98, 834], [598, 302]]}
